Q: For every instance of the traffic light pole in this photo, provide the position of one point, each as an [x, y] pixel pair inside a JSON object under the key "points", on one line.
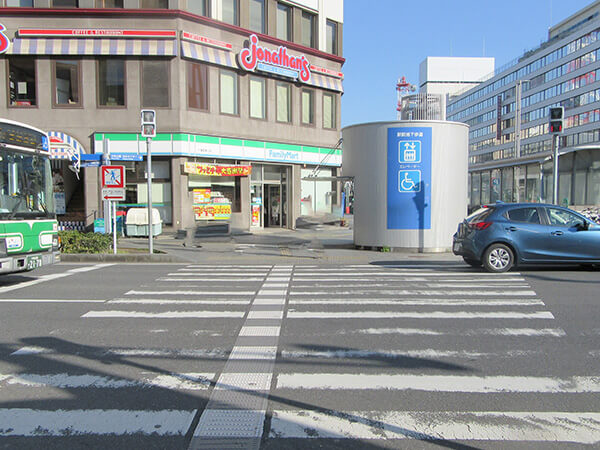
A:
{"points": [[149, 176], [555, 144]]}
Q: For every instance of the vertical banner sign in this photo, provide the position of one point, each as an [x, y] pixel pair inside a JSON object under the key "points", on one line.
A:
{"points": [[409, 179], [499, 118]]}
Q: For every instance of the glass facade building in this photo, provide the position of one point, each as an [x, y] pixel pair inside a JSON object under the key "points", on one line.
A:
{"points": [[510, 148]]}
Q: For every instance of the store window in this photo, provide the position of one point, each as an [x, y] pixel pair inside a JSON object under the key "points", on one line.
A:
{"points": [[197, 83], [215, 197], [257, 98], [154, 4], [257, 15], [108, 3], [309, 29], [155, 84], [475, 190], [19, 3], [485, 188], [284, 102], [532, 192], [111, 82], [496, 181], [329, 111], [65, 4], [136, 190], [331, 38], [507, 184], [229, 92], [284, 22], [22, 81], [66, 83], [308, 107], [230, 12]]}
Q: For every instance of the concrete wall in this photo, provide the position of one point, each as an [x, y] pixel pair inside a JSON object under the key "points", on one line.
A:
{"points": [[366, 158]]}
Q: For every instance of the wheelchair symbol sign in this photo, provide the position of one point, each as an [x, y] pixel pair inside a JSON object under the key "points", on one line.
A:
{"points": [[409, 151], [409, 181]]}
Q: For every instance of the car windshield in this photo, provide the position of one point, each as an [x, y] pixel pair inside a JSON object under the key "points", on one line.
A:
{"points": [[480, 214]]}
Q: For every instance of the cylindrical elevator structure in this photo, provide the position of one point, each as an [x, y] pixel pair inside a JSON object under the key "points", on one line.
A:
{"points": [[410, 183]]}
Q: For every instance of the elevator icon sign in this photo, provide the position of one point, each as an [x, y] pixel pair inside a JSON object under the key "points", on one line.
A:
{"points": [[409, 152]]}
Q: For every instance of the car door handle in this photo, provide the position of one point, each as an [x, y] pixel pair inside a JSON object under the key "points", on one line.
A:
{"points": [[511, 228], [557, 233]]}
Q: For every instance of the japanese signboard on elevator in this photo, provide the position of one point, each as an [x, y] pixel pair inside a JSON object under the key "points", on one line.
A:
{"points": [[409, 178]]}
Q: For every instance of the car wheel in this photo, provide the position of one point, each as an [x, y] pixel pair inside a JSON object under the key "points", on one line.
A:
{"points": [[498, 258], [472, 262]]}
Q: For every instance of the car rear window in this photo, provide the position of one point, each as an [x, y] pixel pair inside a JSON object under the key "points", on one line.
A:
{"points": [[480, 215], [526, 215]]}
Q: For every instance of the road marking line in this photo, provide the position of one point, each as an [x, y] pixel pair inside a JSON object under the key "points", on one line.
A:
{"points": [[36, 423], [439, 383], [47, 300], [532, 332], [420, 302], [216, 293], [415, 292], [419, 315], [577, 427], [164, 315], [50, 277], [156, 301], [396, 354], [174, 381]]}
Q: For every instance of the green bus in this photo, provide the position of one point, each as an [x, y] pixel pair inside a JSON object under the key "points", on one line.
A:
{"points": [[28, 226]]}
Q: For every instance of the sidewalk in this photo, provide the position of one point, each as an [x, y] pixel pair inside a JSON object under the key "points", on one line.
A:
{"points": [[320, 244]]}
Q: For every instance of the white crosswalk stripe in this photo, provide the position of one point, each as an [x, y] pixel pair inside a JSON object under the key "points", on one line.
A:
{"points": [[359, 352]]}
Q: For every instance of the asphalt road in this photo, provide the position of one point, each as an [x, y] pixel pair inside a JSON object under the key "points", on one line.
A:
{"points": [[278, 356]]}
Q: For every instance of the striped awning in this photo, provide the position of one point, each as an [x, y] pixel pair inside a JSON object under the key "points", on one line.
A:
{"points": [[132, 47], [325, 82], [207, 54], [63, 146]]}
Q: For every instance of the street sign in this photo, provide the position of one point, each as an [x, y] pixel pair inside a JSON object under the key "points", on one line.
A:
{"points": [[126, 157], [113, 176], [115, 194], [113, 183]]}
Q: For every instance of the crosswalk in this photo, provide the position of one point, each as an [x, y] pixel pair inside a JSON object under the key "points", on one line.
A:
{"points": [[244, 356]]}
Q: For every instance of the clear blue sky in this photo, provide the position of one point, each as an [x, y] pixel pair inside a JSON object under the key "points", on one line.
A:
{"points": [[386, 39]]}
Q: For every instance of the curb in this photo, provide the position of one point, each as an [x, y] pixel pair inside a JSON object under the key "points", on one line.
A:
{"points": [[107, 257]]}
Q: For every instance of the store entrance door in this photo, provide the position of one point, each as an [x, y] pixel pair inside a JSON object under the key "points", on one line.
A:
{"points": [[272, 205]]}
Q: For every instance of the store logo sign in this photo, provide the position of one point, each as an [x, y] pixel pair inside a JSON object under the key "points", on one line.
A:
{"points": [[277, 61], [4, 41]]}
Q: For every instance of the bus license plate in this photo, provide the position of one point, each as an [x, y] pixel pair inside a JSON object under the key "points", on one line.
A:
{"points": [[33, 262]]}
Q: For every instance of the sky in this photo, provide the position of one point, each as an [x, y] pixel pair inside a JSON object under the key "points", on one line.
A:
{"points": [[386, 39]]}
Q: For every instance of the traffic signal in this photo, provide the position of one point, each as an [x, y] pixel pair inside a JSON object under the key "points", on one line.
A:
{"points": [[556, 119], [148, 123]]}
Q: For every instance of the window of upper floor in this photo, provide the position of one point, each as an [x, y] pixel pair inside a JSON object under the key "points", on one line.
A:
{"points": [[154, 4], [108, 3], [111, 83], [200, 7], [257, 16], [331, 39], [66, 83], [283, 26], [22, 86], [230, 12], [309, 29], [197, 86], [156, 83], [17, 3], [65, 4]]}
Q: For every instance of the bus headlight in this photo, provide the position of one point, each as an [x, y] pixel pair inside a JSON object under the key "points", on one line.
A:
{"points": [[55, 242]]}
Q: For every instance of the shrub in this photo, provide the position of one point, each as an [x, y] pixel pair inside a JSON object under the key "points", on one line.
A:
{"points": [[77, 242]]}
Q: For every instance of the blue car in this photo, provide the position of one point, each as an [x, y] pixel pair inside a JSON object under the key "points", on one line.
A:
{"points": [[503, 235]]}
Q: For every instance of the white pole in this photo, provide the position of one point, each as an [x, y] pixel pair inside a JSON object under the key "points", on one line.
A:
{"points": [[114, 205], [149, 175]]}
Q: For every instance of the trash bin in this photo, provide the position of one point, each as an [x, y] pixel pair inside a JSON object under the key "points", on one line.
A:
{"points": [[136, 222]]}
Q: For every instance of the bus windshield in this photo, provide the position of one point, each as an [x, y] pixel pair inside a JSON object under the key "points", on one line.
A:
{"points": [[25, 185]]}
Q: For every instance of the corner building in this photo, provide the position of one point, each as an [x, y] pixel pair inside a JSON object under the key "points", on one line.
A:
{"points": [[247, 95], [510, 147]]}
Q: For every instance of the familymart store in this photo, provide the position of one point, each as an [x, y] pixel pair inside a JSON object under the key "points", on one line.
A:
{"points": [[201, 180]]}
